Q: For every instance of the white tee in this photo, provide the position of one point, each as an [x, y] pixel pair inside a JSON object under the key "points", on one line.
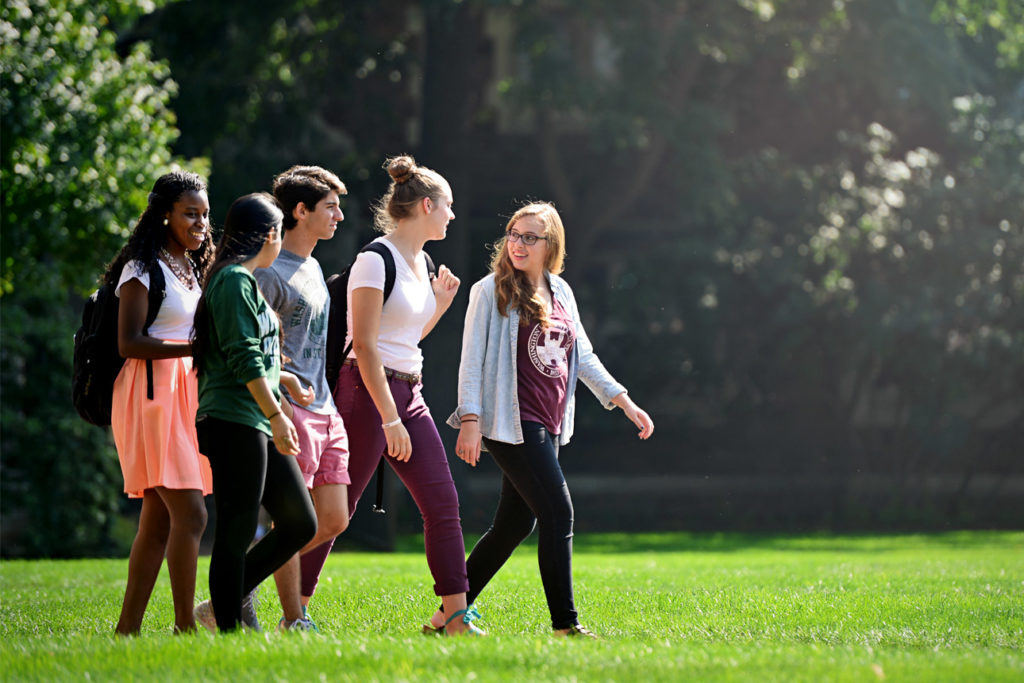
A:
{"points": [[406, 312], [174, 320]]}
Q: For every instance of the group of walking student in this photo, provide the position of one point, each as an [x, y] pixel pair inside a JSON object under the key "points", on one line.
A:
{"points": [[226, 392]]}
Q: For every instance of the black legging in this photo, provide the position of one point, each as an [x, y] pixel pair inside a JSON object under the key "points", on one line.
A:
{"points": [[532, 489], [247, 471]]}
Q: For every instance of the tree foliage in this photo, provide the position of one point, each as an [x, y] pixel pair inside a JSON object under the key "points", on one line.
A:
{"points": [[794, 226], [870, 285], [85, 132]]}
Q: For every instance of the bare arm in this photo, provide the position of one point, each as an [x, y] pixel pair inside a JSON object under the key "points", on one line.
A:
{"points": [[445, 287], [635, 414], [467, 447], [131, 316], [367, 304], [304, 396], [286, 439]]}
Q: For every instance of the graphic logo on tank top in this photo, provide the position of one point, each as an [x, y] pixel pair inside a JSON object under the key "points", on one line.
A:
{"points": [[548, 349]]}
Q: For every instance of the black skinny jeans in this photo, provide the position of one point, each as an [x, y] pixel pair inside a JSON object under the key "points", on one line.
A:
{"points": [[533, 489], [247, 471]]}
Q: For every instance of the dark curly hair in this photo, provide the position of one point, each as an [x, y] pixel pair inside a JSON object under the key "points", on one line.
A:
{"points": [[150, 233]]}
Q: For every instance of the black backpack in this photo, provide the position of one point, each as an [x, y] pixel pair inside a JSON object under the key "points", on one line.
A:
{"points": [[97, 360], [337, 327]]}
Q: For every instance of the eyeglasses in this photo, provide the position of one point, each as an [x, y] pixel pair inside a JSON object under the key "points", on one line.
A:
{"points": [[528, 238]]}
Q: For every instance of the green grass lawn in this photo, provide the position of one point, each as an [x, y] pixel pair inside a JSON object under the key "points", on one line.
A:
{"points": [[946, 607]]}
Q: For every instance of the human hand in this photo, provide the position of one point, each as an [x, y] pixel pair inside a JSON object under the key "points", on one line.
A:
{"points": [[399, 443], [467, 447], [445, 286], [286, 439], [635, 414], [304, 396]]}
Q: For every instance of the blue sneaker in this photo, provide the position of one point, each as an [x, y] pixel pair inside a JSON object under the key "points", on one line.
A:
{"points": [[300, 624]]}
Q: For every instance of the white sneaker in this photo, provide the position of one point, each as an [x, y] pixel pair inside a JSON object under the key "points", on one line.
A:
{"points": [[203, 614]]}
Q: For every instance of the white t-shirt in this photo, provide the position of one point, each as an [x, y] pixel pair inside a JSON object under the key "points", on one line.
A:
{"points": [[174, 320], [406, 312]]}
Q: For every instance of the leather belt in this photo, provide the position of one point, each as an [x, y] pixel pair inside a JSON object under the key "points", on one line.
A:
{"points": [[410, 377]]}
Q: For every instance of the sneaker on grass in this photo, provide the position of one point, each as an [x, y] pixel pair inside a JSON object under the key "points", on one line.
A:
{"points": [[203, 613], [249, 604], [300, 624]]}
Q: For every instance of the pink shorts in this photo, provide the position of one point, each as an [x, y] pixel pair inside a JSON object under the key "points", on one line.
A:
{"points": [[323, 447]]}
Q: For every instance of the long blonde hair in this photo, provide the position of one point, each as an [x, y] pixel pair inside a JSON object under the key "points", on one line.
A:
{"points": [[512, 287]]}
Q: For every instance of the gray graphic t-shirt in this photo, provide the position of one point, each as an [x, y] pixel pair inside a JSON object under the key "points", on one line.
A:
{"points": [[295, 288]]}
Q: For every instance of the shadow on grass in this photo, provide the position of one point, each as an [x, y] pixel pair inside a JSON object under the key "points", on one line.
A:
{"points": [[612, 543]]}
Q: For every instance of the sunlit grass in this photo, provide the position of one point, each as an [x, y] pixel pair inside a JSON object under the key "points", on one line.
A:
{"points": [[668, 607]]}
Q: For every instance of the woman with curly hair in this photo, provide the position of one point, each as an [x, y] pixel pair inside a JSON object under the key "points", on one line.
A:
{"points": [[155, 400]]}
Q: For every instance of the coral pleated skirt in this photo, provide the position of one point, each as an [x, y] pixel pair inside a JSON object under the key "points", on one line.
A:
{"points": [[156, 439]]}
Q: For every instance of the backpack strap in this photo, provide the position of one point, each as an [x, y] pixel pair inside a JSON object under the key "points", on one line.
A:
{"points": [[157, 292], [336, 327], [390, 274], [431, 269]]}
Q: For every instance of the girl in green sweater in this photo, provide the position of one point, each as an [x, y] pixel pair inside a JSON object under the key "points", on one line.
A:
{"points": [[242, 423]]}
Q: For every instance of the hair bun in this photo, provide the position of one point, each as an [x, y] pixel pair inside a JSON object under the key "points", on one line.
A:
{"points": [[401, 168]]}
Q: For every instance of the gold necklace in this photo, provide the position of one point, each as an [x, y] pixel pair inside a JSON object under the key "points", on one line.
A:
{"points": [[183, 273]]}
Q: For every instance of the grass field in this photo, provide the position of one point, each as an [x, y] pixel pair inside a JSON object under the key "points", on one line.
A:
{"points": [[946, 607]]}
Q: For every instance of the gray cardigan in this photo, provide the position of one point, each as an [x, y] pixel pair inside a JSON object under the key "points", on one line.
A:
{"points": [[488, 379]]}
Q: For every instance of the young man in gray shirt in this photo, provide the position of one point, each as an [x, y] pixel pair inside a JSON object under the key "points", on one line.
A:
{"points": [[294, 287]]}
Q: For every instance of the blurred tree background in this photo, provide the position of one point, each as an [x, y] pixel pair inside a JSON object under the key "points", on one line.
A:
{"points": [[795, 228]]}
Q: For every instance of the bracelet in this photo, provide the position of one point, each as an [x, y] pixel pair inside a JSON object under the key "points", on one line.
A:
{"points": [[468, 419], [274, 415], [397, 421]]}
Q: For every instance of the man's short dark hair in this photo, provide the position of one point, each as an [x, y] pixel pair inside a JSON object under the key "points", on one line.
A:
{"points": [[306, 185]]}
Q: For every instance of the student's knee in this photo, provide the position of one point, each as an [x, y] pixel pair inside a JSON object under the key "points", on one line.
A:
{"points": [[304, 529], [339, 526], [332, 524], [559, 513], [194, 523], [517, 526], [235, 532], [523, 528]]}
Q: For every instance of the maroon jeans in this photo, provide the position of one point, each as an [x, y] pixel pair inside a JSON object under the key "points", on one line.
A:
{"points": [[425, 474]]}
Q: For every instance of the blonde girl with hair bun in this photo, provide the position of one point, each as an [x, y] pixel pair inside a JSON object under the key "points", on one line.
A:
{"points": [[379, 392]]}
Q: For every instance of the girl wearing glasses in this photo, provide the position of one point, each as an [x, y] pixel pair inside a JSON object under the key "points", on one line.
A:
{"points": [[523, 349]]}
